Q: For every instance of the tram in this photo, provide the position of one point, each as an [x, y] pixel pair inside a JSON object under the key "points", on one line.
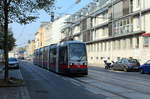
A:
{"points": [[68, 57]]}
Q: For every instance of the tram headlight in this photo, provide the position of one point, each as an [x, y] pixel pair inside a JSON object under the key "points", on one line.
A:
{"points": [[71, 64], [85, 63]]}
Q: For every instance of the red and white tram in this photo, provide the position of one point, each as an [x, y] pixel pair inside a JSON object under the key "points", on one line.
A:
{"points": [[65, 57]]}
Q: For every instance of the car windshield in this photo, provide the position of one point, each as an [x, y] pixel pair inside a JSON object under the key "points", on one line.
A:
{"points": [[132, 61], [148, 62], [12, 59], [77, 52]]}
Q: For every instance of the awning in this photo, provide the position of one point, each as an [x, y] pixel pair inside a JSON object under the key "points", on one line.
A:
{"points": [[146, 34]]}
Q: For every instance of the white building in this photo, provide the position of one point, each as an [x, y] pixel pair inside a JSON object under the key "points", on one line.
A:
{"points": [[53, 31], [113, 29]]}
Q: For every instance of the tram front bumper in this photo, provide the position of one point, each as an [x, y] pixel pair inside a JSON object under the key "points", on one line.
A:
{"points": [[77, 71]]}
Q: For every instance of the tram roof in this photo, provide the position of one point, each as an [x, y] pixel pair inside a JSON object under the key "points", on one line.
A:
{"points": [[61, 43], [70, 42]]}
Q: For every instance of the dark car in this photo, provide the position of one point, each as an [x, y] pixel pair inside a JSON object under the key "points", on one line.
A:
{"points": [[13, 63], [145, 68], [126, 64]]}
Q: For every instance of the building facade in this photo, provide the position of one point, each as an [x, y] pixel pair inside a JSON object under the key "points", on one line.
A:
{"points": [[53, 32], [40, 35], [30, 47], [112, 29], [50, 32]]}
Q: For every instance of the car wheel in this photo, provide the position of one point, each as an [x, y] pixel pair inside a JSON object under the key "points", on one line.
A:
{"points": [[141, 71], [125, 69], [106, 67]]}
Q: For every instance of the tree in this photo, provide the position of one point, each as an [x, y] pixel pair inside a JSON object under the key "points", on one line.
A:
{"points": [[23, 12], [11, 40]]}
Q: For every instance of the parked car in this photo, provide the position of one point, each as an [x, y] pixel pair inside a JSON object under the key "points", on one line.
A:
{"points": [[13, 63], [126, 64], [145, 68]]}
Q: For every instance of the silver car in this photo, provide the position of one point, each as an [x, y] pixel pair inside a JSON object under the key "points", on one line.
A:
{"points": [[126, 64], [13, 63]]}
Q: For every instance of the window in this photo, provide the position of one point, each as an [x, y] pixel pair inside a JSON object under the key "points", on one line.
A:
{"points": [[105, 46], [77, 52], [94, 47], [146, 42], [130, 42], [53, 55], [63, 55], [113, 45], [101, 46], [97, 58], [138, 3], [119, 46], [148, 62], [138, 22], [137, 42], [124, 43], [98, 47], [91, 48]]}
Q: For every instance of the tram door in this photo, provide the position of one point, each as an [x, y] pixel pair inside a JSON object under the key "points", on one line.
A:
{"points": [[53, 59], [63, 58]]}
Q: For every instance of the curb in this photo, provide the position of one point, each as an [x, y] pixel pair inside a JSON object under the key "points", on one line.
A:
{"points": [[24, 94]]}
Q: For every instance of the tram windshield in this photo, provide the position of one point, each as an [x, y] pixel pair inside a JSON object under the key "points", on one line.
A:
{"points": [[77, 52]]}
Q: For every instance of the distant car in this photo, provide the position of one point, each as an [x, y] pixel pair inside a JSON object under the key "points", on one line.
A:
{"points": [[145, 68], [13, 63], [126, 64]]}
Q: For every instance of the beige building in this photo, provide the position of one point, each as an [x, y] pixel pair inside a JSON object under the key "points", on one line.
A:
{"points": [[112, 29], [40, 35], [50, 32], [30, 47]]}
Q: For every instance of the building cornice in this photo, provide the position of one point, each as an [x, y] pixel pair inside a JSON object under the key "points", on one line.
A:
{"points": [[94, 14], [106, 23], [117, 37]]}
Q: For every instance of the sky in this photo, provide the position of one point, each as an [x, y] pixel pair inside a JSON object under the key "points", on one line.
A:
{"points": [[23, 33]]}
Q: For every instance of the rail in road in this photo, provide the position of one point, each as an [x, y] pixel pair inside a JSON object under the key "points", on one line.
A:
{"points": [[113, 84], [48, 84]]}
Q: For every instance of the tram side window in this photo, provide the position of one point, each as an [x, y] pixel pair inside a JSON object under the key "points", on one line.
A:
{"points": [[63, 55], [53, 55]]}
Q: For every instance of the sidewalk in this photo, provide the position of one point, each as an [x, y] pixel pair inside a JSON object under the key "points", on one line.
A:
{"points": [[13, 92]]}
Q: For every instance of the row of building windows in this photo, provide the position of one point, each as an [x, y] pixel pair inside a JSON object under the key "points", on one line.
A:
{"points": [[126, 43]]}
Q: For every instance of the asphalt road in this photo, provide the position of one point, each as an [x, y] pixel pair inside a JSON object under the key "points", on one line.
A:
{"points": [[43, 84], [99, 84]]}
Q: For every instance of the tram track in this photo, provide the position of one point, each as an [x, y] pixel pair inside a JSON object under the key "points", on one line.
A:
{"points": [[123, 77], [44, 77], [112, 74], [95, 75], [114, 93], [115, 84], [119, 85]]}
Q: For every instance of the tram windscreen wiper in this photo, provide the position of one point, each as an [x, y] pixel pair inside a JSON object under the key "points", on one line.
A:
{"points": [[81, 58]]}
